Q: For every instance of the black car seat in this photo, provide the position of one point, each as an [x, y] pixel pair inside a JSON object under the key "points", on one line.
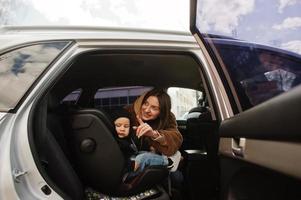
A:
{"points": [[98, 158], [201, 159]]}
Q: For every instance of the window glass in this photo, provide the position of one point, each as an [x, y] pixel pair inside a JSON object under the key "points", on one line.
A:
{"points": [[123, 100], [183, 100], [21, 67], [258, 41], [260, 73], [117, 97]]}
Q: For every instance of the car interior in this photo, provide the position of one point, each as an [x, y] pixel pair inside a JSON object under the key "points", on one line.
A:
{"points": [[76, 151]]}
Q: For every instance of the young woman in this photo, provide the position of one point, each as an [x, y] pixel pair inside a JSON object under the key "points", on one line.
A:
{"points": [[155, 124]]}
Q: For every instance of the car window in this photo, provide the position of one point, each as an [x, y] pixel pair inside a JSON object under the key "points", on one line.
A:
{"points": [[117, 97], [259, 73], [256, 43], [184, 100], [21, 67]]}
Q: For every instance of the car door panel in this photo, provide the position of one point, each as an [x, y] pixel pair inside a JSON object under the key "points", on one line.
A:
{"points": [[243, 180], [271, 139], [276, 119], [259, 148]]}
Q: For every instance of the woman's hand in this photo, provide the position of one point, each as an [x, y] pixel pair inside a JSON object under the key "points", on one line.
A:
{"points": [[144, 129]]}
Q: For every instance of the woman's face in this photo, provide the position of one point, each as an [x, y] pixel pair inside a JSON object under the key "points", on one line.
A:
{"points": [[150, 109], [122, 126]]}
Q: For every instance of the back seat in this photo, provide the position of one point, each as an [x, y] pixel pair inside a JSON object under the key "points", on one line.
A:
{"points": [[98, 158]]}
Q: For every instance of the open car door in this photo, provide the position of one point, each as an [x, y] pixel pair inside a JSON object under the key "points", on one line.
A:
{"points": [[257, 95]]}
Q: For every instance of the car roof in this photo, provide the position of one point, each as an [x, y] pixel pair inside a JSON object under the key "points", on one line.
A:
{"points": [[17, 35]]}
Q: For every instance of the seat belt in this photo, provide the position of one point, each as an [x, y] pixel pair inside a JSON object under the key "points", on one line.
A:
{"points": [[176, 158], [169, 184], [42, 129]]}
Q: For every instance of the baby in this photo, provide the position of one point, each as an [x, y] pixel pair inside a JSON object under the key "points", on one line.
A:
{"points": [[125, 138], [126, 141]]}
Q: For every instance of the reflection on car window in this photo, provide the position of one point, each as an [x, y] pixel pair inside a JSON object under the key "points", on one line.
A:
{"points": [[257, 42], [260, 74], [21, 67]]}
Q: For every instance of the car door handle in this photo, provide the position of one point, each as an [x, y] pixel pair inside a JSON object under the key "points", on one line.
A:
{"points": [[238, 146], [238, 151]]}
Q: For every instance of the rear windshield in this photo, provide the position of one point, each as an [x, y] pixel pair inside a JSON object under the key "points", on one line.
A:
{"points": [[21, 67]]}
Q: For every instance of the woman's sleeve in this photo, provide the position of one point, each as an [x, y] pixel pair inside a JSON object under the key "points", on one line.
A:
{"points": [[171, 139]]}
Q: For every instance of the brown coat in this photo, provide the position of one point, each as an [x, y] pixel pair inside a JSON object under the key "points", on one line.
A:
{"points": [[172, 138]]}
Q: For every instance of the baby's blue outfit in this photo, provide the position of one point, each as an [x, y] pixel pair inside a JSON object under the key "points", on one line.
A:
{"points": [[150, 159]]}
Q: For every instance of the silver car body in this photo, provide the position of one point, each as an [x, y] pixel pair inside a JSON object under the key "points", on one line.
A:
{"points": [[19, 176]]}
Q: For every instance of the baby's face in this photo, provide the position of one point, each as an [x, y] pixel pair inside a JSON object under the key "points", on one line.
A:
{"points": [[122, 126]]}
